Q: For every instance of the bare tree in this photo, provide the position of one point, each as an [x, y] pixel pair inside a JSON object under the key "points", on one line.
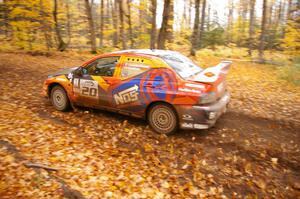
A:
{"points": [[68, 21], [251, 27], [170, 22], [102, 22], [142, 15], [122, 24], [61, 44], [263, 31], [208, 18], [130, 23], [88, 9], [230, 21], [194, 39], [202, 22], [45, 26], [153, 24], [162, 36], [115, 21]]}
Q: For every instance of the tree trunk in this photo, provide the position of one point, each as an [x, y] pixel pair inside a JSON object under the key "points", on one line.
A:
{"points": [[184, 22], [163, 30], [153, 24], [102, 22], [194, 39], [170, 22], [263, 31], [202, 22], [251, 27], [88, 9], [142, 15], [122, 26], [208, 18], [61, 44], [190, 14], [115, 20], [44, 26], [229, 22], [7, 30], [130, 24], [68, 21]]}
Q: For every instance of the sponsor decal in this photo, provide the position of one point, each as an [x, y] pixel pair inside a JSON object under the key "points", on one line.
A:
{"points": [[187, 125], [189, 90], [126, 96], [200, 126], [187, 117], [195, 85], [195, 126], [87, 88]]}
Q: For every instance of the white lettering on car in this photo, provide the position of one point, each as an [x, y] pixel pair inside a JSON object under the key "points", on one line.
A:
{"points": [[127, 96], [87, 88], [189, 90]]}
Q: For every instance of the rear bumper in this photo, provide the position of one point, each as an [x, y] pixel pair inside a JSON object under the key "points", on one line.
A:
{"points": [[202, 116]]}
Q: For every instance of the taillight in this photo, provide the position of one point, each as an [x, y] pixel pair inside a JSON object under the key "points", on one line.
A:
{"points": [[206, 98]]}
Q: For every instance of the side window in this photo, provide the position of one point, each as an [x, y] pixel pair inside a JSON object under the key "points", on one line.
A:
{"points": [[102, 67], [131, 69]]}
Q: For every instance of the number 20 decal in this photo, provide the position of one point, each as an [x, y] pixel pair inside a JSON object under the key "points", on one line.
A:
{"points": [[89, 91], [87, 88]]}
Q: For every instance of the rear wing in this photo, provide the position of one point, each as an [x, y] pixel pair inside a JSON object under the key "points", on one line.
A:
{"points": [[211, 74], [224, 66]]}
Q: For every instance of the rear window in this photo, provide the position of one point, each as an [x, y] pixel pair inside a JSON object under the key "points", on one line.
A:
{"points": [[181, 64]]}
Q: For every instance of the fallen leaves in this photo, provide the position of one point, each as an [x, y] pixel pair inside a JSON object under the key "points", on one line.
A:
{"points": [[104, 155], [260, 184]]}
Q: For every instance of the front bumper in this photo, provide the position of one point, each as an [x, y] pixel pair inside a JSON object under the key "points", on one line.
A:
{"points": [[202, 116]]}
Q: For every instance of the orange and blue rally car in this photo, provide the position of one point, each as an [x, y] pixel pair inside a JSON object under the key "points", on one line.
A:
{"points": [[164, 87]]}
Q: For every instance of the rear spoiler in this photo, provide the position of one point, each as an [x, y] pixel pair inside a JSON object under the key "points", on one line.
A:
{"points": [[224, 66], [211, 74]]}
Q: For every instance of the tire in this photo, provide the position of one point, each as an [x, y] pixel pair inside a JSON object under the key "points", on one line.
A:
{"points": [[59, 99], [163, 119]]}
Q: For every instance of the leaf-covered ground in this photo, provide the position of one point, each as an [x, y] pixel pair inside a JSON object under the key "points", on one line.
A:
{"points": [[254, 150]]}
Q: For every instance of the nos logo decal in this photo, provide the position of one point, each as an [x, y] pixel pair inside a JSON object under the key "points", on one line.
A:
{"points": [[157, 84], [126, 96], [127, 92]]}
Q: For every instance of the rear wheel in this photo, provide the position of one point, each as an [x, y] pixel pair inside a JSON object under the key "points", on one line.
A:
{"points": [[59, 98], [163, 119]]}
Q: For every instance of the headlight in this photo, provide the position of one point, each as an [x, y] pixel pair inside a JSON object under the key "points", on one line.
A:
{"points": [[207, 98]]}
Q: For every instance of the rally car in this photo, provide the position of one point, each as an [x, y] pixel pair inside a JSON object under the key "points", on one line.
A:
{"points": [[164, 87]]}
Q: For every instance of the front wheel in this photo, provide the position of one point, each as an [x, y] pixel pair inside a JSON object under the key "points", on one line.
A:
{"points": [[163, 119], [60, 99]]}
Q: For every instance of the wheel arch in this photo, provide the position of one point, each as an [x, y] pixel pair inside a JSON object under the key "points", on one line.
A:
{"points": [[52, 85], [160, 102]]}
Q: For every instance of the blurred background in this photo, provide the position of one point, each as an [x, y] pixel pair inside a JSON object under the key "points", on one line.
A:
{"points": [[105, 25]]}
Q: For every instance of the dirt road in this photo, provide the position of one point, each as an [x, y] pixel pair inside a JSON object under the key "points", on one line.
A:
{"points": [[97, 154]]}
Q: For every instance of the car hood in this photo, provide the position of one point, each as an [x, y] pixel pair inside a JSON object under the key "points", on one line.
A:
{"points": [[64, 71]]}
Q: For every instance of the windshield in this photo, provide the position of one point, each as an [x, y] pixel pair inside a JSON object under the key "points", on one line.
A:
{"points": [[181, 64]]}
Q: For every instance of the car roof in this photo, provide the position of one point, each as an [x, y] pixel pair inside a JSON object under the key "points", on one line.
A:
{"points": [[151, 52], [142, 52]]}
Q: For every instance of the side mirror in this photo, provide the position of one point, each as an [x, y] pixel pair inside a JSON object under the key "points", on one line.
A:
{"points": [[78, 71]]}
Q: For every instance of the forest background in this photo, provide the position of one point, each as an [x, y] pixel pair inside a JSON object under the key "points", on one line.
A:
{"points": [[264, 31]]}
